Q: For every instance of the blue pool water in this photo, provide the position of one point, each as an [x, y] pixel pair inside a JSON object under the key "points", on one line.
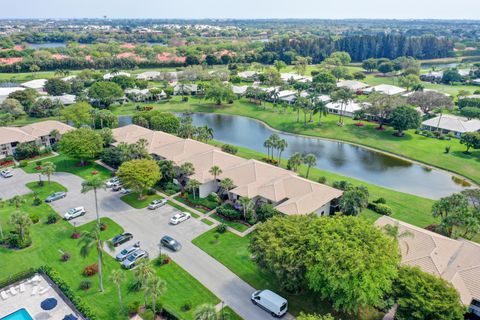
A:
{"points": [[21, 314]]}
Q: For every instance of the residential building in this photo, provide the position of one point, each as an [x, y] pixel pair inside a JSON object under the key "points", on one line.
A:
{"points": [[240, 91], [262, 182], [476, 82], [432, 76], [4, 92], [39, 133], [347, 110], [188, 89], [248, 75], [289, 77], [143, 95], [69, 78], [65, 99], [149, 75], [352, 85], [37, 85], [457, 261], [110, 76], [450, 123], [385, 89]]}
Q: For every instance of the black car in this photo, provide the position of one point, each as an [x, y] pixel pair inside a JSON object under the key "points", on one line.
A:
{"points": [[122, 238], [170, 243]]}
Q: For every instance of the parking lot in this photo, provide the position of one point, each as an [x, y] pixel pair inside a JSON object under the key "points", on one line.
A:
{"points": [[148, 227]]}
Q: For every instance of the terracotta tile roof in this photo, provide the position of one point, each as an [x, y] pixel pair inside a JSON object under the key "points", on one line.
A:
{"points": [[32, 131]]}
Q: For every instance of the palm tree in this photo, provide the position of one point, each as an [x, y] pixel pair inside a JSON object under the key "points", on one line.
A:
{"points": [[205, 312], [295, 161], [155, 287], [215, 171], [94, 184], [185, 170], [246, 204], [394, 232], [48, 168], [227, 184], [16, 201], [193, 185], [117, 277], [143, 272], [268, 144], [320, 107], [20, 221], [281, 146], [92, 240], [342, 96], [310, 160]]}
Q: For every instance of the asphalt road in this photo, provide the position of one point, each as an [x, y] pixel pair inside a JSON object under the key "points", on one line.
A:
{"points": [[148, 227]]}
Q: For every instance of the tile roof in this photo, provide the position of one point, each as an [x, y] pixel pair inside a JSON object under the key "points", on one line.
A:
{"points": [[454, 123], [32, 131]]}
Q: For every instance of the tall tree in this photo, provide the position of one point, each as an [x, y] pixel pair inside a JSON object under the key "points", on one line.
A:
{"points": [[144, 272], [21, 222], [155, 287], [382, 106], [105, 92], [82, 144], [193, 185], [215, 171], [79, 113], [354, 200], [92, 240], [205, 312], [117, 277], [295, 161], [139, 175], [48, 168], [310, 160], [404, 118], [343, 97], [94, 183]]}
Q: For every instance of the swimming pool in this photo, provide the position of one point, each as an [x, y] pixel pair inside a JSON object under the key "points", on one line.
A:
{"points": [[21, 314]]}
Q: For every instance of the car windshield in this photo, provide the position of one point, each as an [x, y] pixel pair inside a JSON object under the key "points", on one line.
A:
{"points": [[72, 210], [125, 251], [284, 305], [132, 257]]}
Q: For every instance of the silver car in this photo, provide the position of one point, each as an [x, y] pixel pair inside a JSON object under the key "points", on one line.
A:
{"points": [[127, 251], [133, 259], [157, 204]]}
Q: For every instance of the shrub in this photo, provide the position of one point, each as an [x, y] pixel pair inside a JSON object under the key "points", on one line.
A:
{"points": [[447, 149], [151, 192], [65, 257], [23, 163], [342, 185], [38, 162], [451, 135], [265, 212], [26, 150], [37, 201], [322, 179], [222, 228], [103, 226], [75, 235], [13, 240], [380, 200], [40, 183], [380, 208], [90, 270], [187, 306], [161, 260], [85, 285], [52, 218], [34, 217], [229, 212], [133, 307], [228, 148]]}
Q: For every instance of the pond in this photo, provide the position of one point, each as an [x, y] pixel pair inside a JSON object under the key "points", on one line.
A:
{"points": [[47, 45], [338, 157]]}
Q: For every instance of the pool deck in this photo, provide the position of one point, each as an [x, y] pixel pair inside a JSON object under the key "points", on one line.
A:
{"points": [[29, 294]]}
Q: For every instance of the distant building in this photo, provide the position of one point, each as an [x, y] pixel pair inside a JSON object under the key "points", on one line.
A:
{"points": [[432, 76], [188, 89], [110, 76], [288, 77], [248, 75], [149, 75], [144, 95], [5, 92], [65, 99], [450, 123], [385, 89], [37, 85], [240, 91], [352, 85], [347, 110]]}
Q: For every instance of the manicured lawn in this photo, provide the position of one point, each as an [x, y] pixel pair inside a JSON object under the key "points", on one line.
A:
{"points": [[183, 209], [49, 240], [232, 224], [229, 314], [65, 164], [132, 200], [427, 150], [207, 222], [232, 251]]}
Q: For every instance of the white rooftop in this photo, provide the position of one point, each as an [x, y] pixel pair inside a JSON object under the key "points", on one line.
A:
{"points": [[351, 107], [35, 84], [385, 89], [109, 76], [351, 84], [454, 123]]}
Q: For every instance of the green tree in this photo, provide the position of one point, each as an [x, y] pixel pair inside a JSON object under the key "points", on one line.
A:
{"points": [[192, 186], [94, 184], [247, 205], [404, 118], [409, 81], [92, 240], [79, 113], [155, 288], [300, 64], [167, 170], [17, 201], [304, 316], [26, 97], [385, 67], [82, 144], [57, 87], [117, 277], [382, 106], [166, 122], [354, 200], [219, 92], [139, 175], [48, 168], [124, 81], [470, 140], [205, 312], [105, 92], [340, 72], [226, 185], [21, 222], [143, 273], [421, 296], [310, 160], [295, 161], [324, 82], [369, 65], [12, 107], [215, 171], [344, 97], [279, 65]]}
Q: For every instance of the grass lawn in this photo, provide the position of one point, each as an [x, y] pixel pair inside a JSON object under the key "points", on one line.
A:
{"points": [[133, 201], [65, 164], [207, 222], [416, 147], [183, 209], [232, 224], [232, 251], [49, 240], [228, 314]]}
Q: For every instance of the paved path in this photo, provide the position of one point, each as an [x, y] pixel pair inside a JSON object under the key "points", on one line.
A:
{"points": [[148, 227]]}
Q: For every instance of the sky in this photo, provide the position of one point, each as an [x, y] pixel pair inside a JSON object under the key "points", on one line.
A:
{"points": [[239, 9]]}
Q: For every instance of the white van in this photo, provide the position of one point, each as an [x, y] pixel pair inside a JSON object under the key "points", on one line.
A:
{"points": [[271, 302]]}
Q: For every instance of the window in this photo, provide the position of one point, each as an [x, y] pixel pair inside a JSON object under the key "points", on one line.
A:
{"points": [[476, 303]]}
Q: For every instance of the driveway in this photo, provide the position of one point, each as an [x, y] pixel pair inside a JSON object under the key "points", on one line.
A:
{"points": [[10, 187], [148, 227]]}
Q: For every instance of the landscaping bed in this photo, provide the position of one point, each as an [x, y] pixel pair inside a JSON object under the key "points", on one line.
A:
{"points": [[237, 225], [201, 204]]}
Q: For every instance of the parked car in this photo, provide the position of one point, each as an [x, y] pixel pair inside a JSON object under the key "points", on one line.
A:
{"points": [[122, 238], [74, 213], [180, 217], [133, 259], [6, 173], [56, 196], [127, 251], [117, 186], [110, 183], [126, 191], [170, 243], [271, 302], [155, 204]]}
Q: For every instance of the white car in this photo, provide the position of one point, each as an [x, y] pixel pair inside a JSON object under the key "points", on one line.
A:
{"points": [[126, 191], [6, 173], [157, 204], [180, 217], [74, 213], [110, 183]]}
